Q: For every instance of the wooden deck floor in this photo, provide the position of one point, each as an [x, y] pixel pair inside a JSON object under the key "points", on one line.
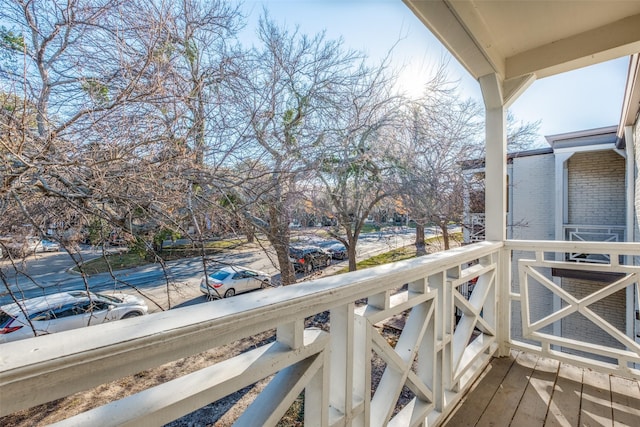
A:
{"points": [[524, 390]]}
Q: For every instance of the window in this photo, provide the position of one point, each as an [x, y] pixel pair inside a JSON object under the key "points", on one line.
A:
{"points": [[64, 311], [42, 316]]}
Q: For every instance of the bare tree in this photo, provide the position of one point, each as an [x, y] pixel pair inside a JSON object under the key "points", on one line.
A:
{"points": [[441, 131], [289, 87], [93, 134], [359, 158], [521, 135]]}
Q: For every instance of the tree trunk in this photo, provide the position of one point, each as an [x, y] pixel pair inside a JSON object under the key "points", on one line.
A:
{"points": [[352, 242], [279, 238], [445, 234], [351, 251], [421, 247], [287, 275], [250, 232]]}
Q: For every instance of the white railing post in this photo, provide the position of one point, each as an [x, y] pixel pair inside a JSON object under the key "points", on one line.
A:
{"points": [[442, 364], [291, 334], [350, 365], [316, 396], [504, 302]]}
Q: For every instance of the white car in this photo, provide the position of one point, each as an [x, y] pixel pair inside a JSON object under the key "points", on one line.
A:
{"points": [[228, 281], [64, 311], [48, 246]]}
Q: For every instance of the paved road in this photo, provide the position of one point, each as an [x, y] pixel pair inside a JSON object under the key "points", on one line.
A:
{"points": [[49, 272]]}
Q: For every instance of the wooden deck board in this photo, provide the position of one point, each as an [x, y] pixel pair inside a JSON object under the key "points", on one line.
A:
{"points": [[525, 391], [505, 402], [481, 393], [596, 400], [625, 401], [564, 408], [532, 409]]}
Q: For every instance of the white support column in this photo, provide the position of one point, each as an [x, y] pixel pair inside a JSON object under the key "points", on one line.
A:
{"points": [[497, 97], [496, 192], [631, 184], [561, 193], [630, 236], [561, 218], [496, 158]]}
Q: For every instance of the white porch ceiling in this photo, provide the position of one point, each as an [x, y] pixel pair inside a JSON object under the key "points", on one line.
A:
{"points": [[520, 39]]}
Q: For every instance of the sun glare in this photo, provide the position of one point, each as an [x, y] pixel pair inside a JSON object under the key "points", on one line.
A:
{"points": [[412, 80]]}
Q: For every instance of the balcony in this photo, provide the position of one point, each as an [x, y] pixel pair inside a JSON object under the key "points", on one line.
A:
{"points": [[348, 371]]}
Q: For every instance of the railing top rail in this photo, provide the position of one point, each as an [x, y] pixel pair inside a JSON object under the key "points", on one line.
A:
{"points": [[593, 226], [161, 337], [621, 248]]}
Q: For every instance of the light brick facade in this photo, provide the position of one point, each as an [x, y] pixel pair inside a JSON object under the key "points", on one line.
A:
{"points": [[578, 327], [596, 188]]}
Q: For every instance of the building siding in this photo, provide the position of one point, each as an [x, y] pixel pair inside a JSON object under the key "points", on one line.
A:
{"points": [[533, 183], [596, 196], [532, 208], [596, 187], [576, 326]]}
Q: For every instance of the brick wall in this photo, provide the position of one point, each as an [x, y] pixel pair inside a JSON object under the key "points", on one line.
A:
{"points": [[610, 308], [597, 188]]}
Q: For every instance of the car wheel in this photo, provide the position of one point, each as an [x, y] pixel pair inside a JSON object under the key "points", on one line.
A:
{"points": [[308, 267], [264, 284], [231, 292], [131, 314], [328, 262]]}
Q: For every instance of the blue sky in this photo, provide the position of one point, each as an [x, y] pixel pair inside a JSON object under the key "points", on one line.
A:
{"points": [[583, 99]]}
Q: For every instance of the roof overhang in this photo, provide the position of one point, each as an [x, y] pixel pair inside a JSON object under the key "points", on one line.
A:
{"points": [[631, 100], [521, 41], [589, 140]]}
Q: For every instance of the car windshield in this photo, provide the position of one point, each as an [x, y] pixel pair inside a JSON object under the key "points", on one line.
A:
{"points": [[108, 298], [295, 252], [220, 275]]}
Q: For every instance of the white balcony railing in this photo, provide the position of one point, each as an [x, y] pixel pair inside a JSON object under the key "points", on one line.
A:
{"points": [[435, 357], [592, 233], [598, 297]]}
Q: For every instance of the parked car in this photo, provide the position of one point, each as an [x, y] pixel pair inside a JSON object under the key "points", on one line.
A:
{"points": [[48, 246], [64, 311], [309, 258], [337, 251], [228, 281], [23, 246]]}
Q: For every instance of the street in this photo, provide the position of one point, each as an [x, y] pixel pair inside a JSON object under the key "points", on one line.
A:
{"points": [[174, 285]]}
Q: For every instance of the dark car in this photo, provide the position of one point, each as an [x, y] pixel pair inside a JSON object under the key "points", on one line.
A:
{"points": [[309, 258], [337, 251]]}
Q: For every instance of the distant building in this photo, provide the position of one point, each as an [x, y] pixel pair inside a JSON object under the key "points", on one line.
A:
{"points": [[574, 190]]}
